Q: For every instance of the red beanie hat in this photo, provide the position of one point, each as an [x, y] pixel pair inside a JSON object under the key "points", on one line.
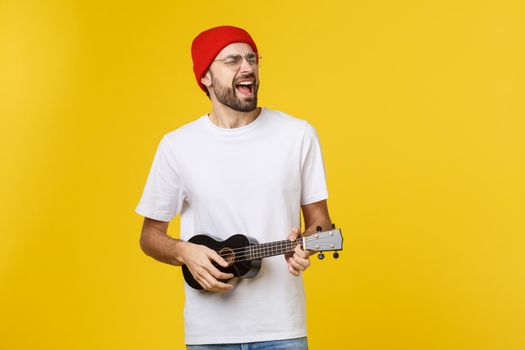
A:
{"points": [[209, 43]]}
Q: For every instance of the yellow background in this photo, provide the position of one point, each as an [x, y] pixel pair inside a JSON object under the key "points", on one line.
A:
{"points": [[419, 106]]}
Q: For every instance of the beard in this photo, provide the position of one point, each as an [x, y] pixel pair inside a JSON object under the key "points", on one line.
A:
{"points": [[228, 96]]}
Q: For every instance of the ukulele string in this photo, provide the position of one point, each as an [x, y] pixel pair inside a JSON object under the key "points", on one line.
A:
{"points": [[259, 247], [248, 253], [250, 256], [245, 258]]}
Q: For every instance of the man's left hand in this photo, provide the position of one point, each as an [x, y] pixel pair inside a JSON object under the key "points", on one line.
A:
{"points": [[299, 259]]}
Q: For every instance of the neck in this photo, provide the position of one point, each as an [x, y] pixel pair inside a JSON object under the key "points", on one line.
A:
{"points": [[225, 117], [264, 250]]}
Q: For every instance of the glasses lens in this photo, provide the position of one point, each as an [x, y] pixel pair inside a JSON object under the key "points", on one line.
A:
{"points": [[233, 60], [251, 58]]}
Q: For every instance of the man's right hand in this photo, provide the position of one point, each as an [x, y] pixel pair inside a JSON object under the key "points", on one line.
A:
{"points": [[198, 259]]}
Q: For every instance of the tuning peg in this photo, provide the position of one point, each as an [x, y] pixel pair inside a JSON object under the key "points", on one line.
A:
{"points": [[336, 255], [320, 256], [319, 228]]}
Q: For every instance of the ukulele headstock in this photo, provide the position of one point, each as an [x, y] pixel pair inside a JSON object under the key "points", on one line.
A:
{"points": [[323, 241]]}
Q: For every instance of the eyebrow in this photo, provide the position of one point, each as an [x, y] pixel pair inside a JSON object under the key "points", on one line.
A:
{"points": [[236, 55]]}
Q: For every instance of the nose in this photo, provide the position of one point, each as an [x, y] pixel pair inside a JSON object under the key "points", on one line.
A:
{"points": [[246, 67]]}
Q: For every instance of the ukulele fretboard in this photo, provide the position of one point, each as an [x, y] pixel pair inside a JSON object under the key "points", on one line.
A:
{"points": [[264, 250]]}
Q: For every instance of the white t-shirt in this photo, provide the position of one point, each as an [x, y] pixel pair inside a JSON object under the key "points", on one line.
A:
{"points": [[250, 180]]}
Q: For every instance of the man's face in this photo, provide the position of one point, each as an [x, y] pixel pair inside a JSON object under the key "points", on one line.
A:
{"points": [[234, 86]]}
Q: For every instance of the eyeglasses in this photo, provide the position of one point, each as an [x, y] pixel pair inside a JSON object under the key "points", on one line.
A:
{"points": [[234, 62]]}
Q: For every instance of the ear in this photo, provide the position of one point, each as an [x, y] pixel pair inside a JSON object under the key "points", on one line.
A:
{"points": [[206, 79]]}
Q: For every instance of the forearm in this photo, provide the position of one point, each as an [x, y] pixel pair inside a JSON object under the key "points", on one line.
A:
{"points": [[311, 227], [316, 214], [162, 247]]}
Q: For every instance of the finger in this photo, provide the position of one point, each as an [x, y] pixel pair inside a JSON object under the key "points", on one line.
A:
{"points": [[216, 285], [297, 265], [301, 261], [200, 274], [213, 276], [203, 282], [217, 258], [218, 274], [293, 264], [292, 270], [213, 285], [222, 287], [301, 253], [294, 234]]}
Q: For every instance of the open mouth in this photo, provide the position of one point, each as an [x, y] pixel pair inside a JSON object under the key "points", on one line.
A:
{"points": [[245, 87]]}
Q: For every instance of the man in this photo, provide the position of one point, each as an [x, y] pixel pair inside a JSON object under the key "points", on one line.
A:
{"points": [[238, 169]]}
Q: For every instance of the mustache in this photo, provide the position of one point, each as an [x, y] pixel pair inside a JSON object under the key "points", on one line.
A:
{"points": [[247, 76]]}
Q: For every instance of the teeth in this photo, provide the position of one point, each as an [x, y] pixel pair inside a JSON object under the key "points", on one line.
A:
{"points": [[245, 83]]}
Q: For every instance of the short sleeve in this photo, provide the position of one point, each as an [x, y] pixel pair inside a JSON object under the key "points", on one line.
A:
{"points": [[313, 177], [163, 193]]}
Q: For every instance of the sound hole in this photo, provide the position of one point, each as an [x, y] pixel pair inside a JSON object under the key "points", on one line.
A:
{"points": [[228, 255]]}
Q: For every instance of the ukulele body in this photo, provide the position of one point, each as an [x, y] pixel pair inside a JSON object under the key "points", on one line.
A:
{"points": [[235, 250]]}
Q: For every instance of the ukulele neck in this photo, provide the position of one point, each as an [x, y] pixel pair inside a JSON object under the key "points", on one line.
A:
{"points": [[264, 250]]}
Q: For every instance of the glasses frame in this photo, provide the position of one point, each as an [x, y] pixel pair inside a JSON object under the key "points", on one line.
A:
{"points": [[237, 65]]}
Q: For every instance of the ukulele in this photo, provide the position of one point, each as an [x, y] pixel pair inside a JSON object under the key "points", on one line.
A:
{"points": [[244, 254]]}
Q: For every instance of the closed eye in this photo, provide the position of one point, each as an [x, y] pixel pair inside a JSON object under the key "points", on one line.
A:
{"points": [[231, 60]]}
